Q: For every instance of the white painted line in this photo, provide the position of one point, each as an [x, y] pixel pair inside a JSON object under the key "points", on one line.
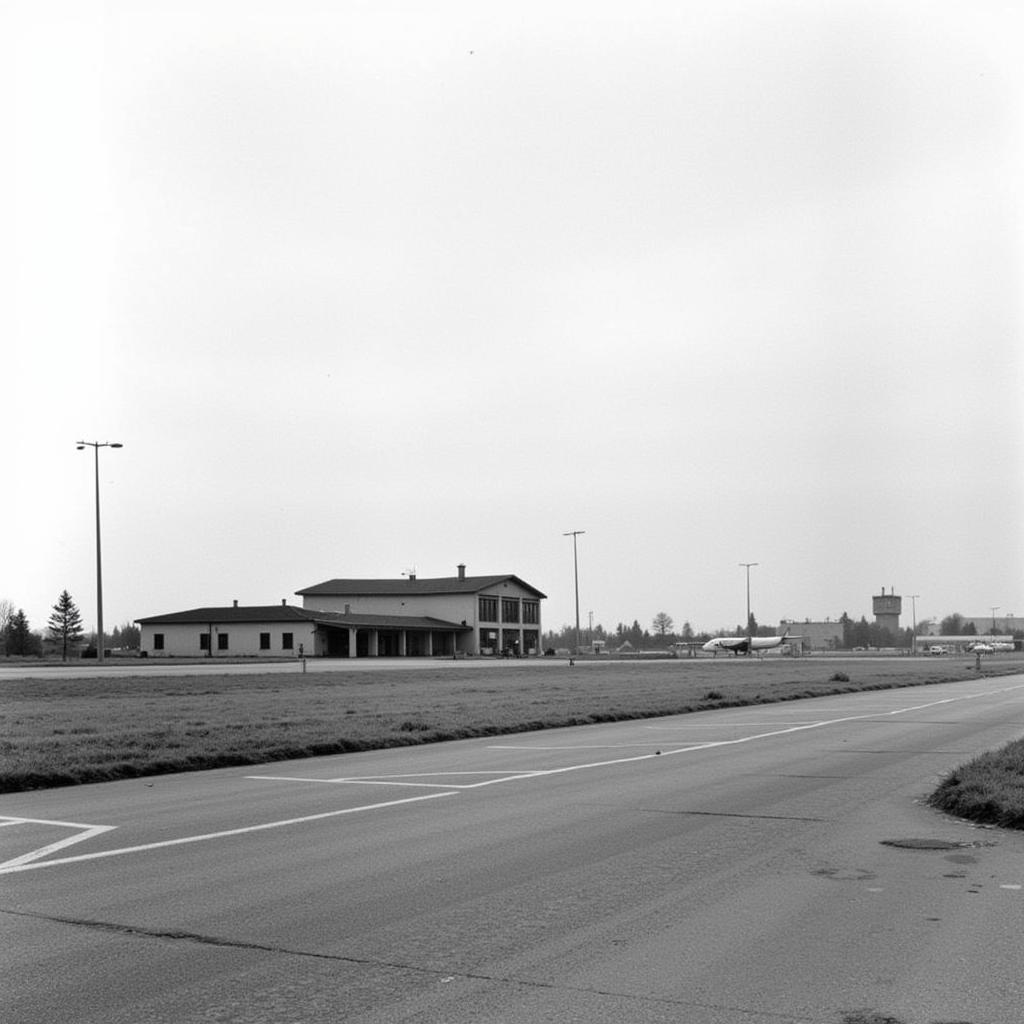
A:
{"points": [[397, 780], [570, 746], [717, 725], [84, 832], [46, 821], [357, 782], [217, 835]]}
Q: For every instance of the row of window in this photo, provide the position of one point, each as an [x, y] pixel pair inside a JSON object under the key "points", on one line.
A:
{"points": [[512, 643], [287, 641], [510, 610]]}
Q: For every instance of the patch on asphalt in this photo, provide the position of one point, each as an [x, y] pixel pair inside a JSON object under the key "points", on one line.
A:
{"points": [[930, 844]]}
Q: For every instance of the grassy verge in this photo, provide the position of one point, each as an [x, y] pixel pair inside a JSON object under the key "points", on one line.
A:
{"points": [[57, 732], [989, 789]]}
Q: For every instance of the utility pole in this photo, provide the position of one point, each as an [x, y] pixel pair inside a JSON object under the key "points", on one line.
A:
{"points": [[747, 566], [576, 576], [96, 446]]}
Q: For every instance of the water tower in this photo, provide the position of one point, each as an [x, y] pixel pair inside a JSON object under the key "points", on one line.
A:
{"points": [[887, 608]]}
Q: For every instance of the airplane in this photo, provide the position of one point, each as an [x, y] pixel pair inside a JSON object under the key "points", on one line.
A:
{"points": [[746, 644], [990, 647]]}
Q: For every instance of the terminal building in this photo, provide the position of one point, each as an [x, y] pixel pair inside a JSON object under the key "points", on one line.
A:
{"points": [[449, 616]]}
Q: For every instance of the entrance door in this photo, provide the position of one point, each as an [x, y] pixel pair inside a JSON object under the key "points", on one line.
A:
{"points": [[337, 643]]}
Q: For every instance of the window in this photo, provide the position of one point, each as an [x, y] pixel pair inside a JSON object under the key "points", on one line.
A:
{"points": [[158, 641], [264, 641], [287, 641], [204, 641], [489, 609], [510, 609], [222, 641], [531, 611]]}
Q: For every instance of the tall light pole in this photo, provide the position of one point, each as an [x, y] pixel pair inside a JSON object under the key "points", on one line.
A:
{"points": [[913, 613], [96, 446], [576, 577], [747, 566]]}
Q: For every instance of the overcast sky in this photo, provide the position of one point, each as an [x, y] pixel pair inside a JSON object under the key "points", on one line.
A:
{"points": [[367, 287]]}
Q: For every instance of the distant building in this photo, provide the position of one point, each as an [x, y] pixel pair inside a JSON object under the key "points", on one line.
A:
{"points": [[348, 618], [814, 636], [1003, 623]]}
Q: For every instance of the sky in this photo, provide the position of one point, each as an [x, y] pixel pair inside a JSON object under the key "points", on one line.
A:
{"points": [[366, 288]]}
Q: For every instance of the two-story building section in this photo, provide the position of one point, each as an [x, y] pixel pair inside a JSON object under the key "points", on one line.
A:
{"points": [[497, 614]]}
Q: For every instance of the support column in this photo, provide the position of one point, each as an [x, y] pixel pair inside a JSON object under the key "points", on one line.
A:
{"points": [[401, 643], [430, 643], [351, 642], [373, 643]]}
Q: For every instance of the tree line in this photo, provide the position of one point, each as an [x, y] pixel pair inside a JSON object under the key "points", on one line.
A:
{"points": [[64, 631], [662, 633]]}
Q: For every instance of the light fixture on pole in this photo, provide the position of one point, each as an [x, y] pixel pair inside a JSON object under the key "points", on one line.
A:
{"points": [[747, 566], [576, 577], [96, 446], [913, 612]]}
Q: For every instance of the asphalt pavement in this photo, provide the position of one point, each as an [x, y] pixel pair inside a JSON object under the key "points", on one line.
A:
{"points": [[745, 866]]}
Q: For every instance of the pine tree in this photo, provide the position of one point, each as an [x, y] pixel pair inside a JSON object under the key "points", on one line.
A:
{"points": [[65, 622], [19, 637]]}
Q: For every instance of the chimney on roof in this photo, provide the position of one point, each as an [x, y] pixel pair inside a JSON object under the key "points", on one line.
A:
{"points": [[284, 602], [236, 602], [462, 571]]}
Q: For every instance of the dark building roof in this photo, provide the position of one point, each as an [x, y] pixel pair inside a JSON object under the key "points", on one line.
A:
{"points": [[412, 585], [279, 613]]}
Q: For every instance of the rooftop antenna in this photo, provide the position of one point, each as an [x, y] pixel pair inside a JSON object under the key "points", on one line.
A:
{"points": [[411, 573]]}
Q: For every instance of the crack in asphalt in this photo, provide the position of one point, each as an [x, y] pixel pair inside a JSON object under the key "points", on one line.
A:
{"points": [[733, 814], [180, 935]]}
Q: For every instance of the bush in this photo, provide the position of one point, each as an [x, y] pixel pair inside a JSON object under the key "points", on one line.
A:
{"points": [[839, 677]]}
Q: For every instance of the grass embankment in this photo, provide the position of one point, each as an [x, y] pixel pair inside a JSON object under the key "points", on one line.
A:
{"points": [[989, 789], [57, 732]]}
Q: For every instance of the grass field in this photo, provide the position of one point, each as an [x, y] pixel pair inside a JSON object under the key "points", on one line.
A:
{"points": [[61, 731]]}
